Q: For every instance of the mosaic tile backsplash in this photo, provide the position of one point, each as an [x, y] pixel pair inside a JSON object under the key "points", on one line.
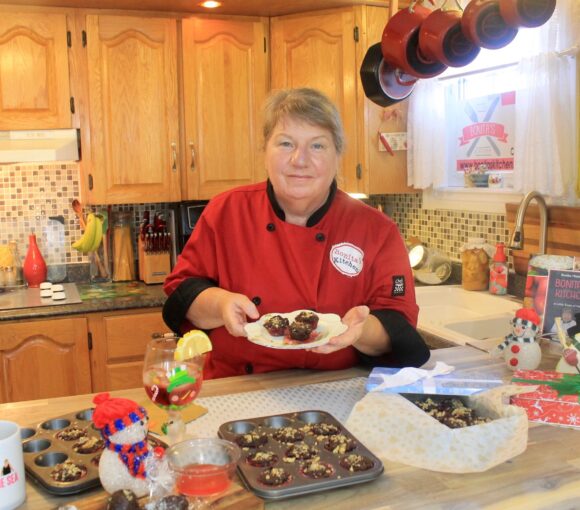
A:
{"points": [[37, 199]]}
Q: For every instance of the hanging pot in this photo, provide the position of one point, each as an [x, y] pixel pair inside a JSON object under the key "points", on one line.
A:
{"points": [[382, 83], [400, 43], [441, 38], [483, 25], [526, 13]]}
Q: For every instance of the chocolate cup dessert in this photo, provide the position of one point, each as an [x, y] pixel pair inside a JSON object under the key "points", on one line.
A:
{"points": [[300, 451], [315, 469], [339, 443], [277, 325], [288, 435], [274, 476], [251, 440], [71, 433], [262, 459], [354, 462], [299, 331], [309, 318], [68, 471]]}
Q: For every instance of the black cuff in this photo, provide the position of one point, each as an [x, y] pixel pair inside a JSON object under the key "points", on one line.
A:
{"points": [[408, 349], [179, 301]]}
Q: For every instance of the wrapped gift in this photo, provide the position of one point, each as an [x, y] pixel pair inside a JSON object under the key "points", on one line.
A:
{"points": [[439, 381], [556, 399]]}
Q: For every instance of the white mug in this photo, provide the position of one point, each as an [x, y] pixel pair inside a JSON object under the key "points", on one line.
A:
{"points": [[12, 482]]}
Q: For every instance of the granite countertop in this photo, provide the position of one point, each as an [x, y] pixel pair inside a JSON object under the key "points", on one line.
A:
{"points": [[96, 298]]}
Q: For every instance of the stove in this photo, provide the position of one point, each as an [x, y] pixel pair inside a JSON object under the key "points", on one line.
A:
{"points": [[24, 297]]}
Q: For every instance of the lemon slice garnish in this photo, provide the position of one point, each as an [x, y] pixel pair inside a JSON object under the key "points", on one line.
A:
{"points": [[193, 343]]}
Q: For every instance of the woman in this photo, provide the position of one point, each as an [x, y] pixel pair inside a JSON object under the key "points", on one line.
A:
{"points": [[296, 242]]}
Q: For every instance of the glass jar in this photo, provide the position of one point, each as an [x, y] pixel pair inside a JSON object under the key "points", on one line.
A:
{"points": [[429, 265], [475, 257], [123, 253]]}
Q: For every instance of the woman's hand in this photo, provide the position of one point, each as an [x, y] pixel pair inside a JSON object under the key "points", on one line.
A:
{"points": [[355, 319], [235, 308]]}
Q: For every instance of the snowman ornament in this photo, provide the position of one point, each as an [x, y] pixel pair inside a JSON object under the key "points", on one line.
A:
{"points": [[123, 463], [520, 349]]}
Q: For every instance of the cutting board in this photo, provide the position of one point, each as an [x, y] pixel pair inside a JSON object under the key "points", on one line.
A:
{"points": [[30, 298], [236, 498]]}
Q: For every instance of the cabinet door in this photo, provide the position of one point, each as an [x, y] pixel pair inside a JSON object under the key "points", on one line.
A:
{"points": [[225, 79], [132, 88], [318, 50], [34, 77], [119, 343], [43, 359], [382, 172]]}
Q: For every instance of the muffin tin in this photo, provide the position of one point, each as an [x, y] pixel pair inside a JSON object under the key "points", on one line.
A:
{"points": [[294, 424], [44, 449]]}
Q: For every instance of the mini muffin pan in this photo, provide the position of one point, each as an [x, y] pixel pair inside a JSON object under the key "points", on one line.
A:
{"points": [[314, 429], [44, 448]]}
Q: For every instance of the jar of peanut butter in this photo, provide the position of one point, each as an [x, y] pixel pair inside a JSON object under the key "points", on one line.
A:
{"points": [[475, 258]]}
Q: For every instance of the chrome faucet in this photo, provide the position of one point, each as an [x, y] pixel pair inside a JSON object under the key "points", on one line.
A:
{"points": [[517, 237]]}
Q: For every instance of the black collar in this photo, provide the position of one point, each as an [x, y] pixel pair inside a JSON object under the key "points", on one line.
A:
{"points": [[316, 216]]}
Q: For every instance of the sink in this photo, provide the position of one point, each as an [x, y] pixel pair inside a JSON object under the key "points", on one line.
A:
{"points": [[465, 317]]}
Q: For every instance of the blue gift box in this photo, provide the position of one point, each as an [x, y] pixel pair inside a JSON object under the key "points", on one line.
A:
{"points": [[448, 384]]}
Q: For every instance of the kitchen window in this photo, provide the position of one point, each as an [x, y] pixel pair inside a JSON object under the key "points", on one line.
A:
{"points": [[509, 119]]}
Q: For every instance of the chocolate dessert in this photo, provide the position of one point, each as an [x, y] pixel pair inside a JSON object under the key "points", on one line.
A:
{"points": [[262, 459], [277, 325], [288, 435], [123, 499], [68, 471], [274, 476], [451, 412], [316, 469], [300, 451], [308, 317], [355, 462], [95, 460], [251, 440], [340, 444], [321, 429], [89, 445], [299, 331], [71, 433]]}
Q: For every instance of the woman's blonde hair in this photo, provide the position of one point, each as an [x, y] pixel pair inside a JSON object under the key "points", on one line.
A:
{"points": [[307, 105]]}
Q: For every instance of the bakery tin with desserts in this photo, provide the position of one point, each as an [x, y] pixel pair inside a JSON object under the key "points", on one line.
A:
{"points": [[299, 453], [62, 454]]}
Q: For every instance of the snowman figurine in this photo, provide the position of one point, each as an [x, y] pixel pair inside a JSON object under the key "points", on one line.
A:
{"points": [[123, 425], [520, 349]]}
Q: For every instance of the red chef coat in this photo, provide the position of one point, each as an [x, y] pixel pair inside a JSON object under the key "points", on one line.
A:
{"points": [[353, 256]]}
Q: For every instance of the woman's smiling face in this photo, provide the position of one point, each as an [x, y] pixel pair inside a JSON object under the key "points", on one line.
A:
{"points": [[301, 161]]}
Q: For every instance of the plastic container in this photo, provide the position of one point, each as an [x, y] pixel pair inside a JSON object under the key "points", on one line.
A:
{"points": [[475, 258], [498, 272]]}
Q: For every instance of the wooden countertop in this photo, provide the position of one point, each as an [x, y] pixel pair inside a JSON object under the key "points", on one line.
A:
{"points": [[545, 476]]}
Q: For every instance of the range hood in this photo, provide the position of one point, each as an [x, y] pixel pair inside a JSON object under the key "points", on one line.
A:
{"points": [[42, 145]]}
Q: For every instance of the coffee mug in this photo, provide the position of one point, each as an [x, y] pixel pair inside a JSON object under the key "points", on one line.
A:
{"points": [[12, 482]]}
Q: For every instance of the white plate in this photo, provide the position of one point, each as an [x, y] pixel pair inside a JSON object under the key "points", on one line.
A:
{"points": [[329, 326]]}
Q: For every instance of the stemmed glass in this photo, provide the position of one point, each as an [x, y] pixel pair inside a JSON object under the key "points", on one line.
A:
{"points": [[172, 380]]}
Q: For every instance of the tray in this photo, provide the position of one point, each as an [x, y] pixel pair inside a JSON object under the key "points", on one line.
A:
{"points": [[309, 423], [44, 448]]}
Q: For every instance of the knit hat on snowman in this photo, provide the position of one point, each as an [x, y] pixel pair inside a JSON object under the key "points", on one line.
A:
{"points": [[527, 318], [114, 415]]}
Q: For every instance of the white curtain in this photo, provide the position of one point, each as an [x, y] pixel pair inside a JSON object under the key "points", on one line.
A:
{"points": [[546, 153]]}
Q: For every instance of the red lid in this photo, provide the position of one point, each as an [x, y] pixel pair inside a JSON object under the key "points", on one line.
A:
{"points": [[499, 253]]}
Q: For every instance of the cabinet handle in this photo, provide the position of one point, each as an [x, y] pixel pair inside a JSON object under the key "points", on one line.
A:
{"points": [[192, 166], [174, 152]]}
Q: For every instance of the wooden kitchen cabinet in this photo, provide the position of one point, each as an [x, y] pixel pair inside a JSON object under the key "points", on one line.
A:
{"points": [[225, 81], [325, 50], [133, 110], [43, 359], [119, 340], [34, 70]]}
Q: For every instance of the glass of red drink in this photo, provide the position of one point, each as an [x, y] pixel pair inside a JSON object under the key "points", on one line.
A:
{"points": [[203, 468], [171, 382]]}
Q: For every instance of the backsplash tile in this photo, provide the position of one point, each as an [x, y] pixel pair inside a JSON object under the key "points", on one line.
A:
{"points": [[31, 194]]}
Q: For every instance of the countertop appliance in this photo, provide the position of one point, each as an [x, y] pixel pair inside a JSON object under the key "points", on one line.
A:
{"points": [[186, 216]]}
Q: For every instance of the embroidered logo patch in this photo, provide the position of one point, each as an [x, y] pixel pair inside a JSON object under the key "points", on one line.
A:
{"points": [[398, 286], [347, 259]]}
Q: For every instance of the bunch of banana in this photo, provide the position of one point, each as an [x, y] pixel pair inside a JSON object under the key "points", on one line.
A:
{"points": [[92, 236]]}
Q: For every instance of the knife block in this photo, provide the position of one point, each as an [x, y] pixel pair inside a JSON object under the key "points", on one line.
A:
{"points": [[154, 267]]}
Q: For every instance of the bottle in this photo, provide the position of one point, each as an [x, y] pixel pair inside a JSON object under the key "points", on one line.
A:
{"points": [[498, 272], [34, 267], [475, 257]]}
